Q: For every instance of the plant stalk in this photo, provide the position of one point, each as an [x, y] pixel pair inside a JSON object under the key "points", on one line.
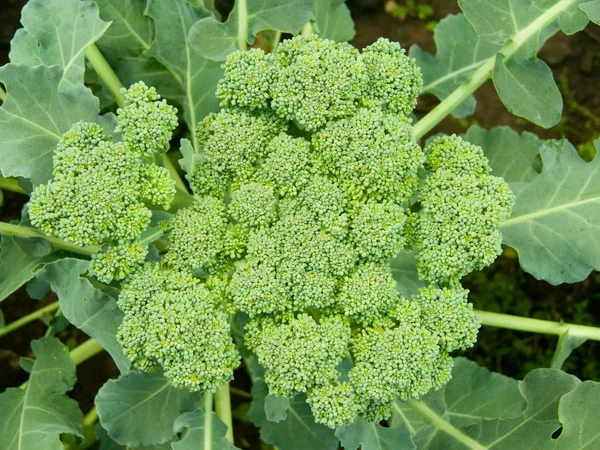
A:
{"points": [[437, 114], [223, 409], [105, 72], [537, 325], [29, 318], [208, 420], [10, 184], [242, 24], [9, 229]]}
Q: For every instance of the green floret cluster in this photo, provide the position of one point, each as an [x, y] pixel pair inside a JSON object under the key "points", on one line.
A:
{"points": [[100, 188], [308, 184]]}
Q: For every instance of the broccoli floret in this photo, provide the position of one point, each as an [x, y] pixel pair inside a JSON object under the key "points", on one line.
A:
{"points": [[118, 261], [172, 320], [253, 205], [99, 188], [333, 404], [298, 353], [394, 79]]}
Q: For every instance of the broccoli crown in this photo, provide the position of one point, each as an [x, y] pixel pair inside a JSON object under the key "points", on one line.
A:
{"points": [[308, 184], [173, 320], [100, 188]]}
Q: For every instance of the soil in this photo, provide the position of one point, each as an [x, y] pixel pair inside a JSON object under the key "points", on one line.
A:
{"points": [[575, 61]]}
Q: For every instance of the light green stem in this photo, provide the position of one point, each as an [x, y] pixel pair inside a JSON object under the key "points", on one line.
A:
{"points": [[307, 29], [29, 318], [460, 94], [179, 184], [492, 319], [10, 184], [223, 408], [2, 94], [242, 24], [208, 420], [81, 353], [275, 42], [91, 417], [9, 229], [444, 426], [105, 72]]}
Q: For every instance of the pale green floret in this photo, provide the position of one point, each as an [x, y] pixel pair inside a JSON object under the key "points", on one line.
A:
{"points": [[253, 205], [392, 362], [118, 261], [298, 354], [157, 186], [232, 143], [173, 320], [247, 79], [196, 234], [377, 230], [289, 165], [373, 154], [367, 293], [146, 122], [455, 154], [317, 80], [69, 156], [333, 404], [448, 315], [459, 223], [395, 80]]}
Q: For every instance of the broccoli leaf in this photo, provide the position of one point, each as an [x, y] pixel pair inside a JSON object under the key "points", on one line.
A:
{"points": [[140, 408], [512, 156], [333, 20], [216, 40], [578, 413], [34, 417], [566, 345], [106, 443], [460, 52], [194, 439], [404, 270], [554, 224], [372, 436], [527, 89], [58, 32], [86, 307], [198, 75], [592, 9], [35, 115]]}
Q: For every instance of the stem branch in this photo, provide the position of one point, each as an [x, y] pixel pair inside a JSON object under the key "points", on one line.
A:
{"points": [[105, 72], [10, 184], [9, 229], [208, 419], [223, 408], [29, 318]]}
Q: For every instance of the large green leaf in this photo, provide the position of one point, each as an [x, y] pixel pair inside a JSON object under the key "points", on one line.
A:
{"points": [[512, 156], [140, 408], [35, 115], [333, 20], [460, 52], [372, 436], [106, 443], [34, 417], [216, 40], [18, 266], [298, 431], [592, 10], [199, 76], [555, 224], [86, 307], [578, 413], [195, 424], [57, 32], [527, 89]]}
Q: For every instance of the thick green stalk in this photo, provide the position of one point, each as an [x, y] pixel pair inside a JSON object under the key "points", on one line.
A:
{"points": [[444, 426], [9, 229], [208, 420], [105, 72], [223, 409], [242, 8], [179, 184], [10, 184], [437, 114], [536, 325], [29, 318]]}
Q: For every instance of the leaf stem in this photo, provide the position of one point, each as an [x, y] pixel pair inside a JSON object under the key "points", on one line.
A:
{"points": [[105, 72], [168, 164], [10, 184], [242, 24], [223, 409], [537, 325], [9, 229], [29, 318], [307, 29], [437, 114], [208, 420], [275, 41], [444, 426]]}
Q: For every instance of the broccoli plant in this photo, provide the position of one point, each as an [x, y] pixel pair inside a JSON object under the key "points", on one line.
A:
{"points": [[300, 244]]}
